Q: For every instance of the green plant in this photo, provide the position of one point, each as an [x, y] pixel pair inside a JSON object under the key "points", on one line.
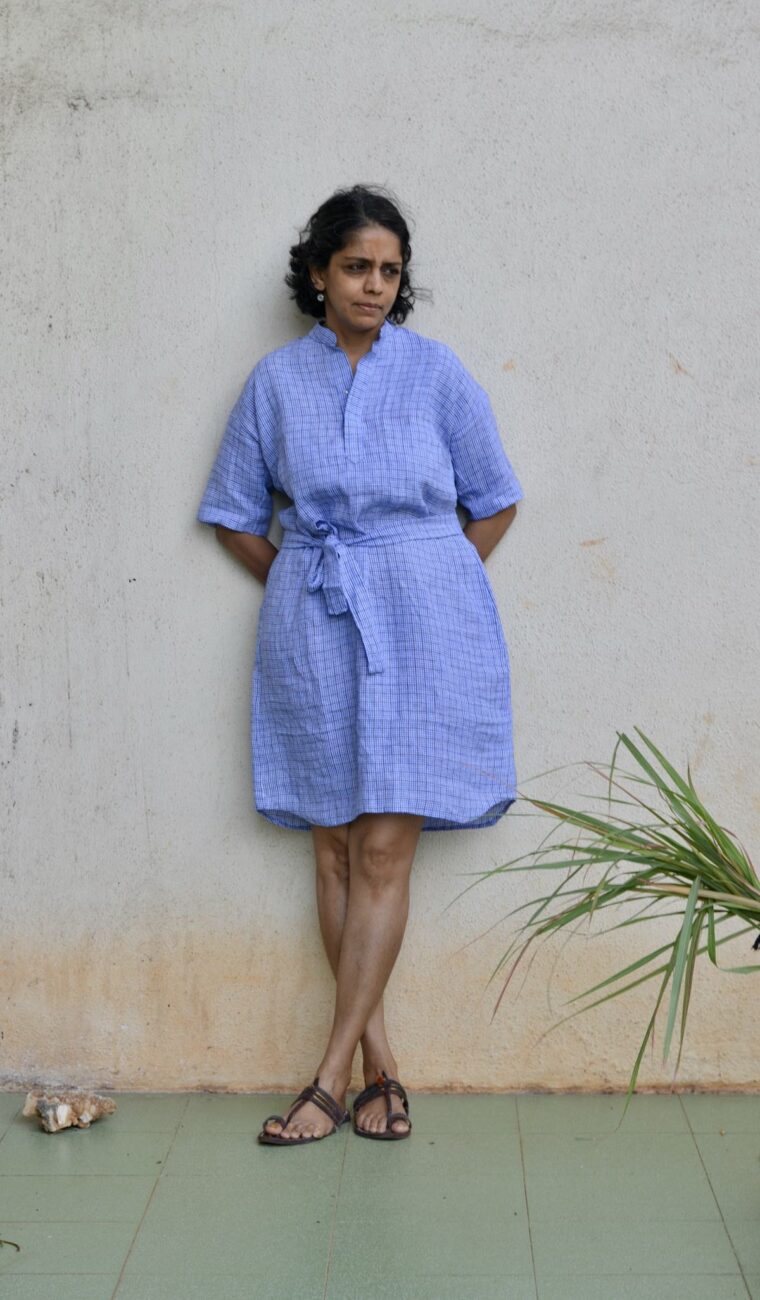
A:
{"points": [[672, 851]]}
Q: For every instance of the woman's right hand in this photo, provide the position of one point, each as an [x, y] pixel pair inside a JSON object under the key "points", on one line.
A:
{"points": [[255, 552]]}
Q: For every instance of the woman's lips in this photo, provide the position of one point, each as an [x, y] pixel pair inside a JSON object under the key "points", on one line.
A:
{"points": [[367, 306]]}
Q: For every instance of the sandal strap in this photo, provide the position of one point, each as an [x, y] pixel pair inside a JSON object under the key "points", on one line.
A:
{"points": [[325, 1101], [389, 1086], [367, 1094], [320, 1097], [383, 1086], [284, 1120], [398, 1115]]}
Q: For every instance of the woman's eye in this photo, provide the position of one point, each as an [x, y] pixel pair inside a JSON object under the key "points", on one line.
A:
{"points": [[359, 266]]}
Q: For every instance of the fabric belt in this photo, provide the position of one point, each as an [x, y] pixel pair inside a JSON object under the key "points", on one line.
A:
{"points": [[334, 571]]}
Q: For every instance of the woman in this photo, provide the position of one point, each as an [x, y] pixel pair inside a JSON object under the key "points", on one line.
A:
{"points": [[380, 694]]}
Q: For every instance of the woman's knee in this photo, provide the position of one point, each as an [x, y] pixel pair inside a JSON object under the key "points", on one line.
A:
{"points": [[382, 861], [331, 854]]}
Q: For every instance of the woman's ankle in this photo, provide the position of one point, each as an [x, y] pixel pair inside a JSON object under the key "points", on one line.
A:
{"points": [[334, 1080], [374, 1062]]}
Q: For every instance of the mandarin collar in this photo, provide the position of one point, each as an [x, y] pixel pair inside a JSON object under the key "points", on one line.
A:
{"points": [[321, 333]]}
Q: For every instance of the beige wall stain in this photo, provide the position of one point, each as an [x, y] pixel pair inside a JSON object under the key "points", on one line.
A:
{"points": [[241, 1011], [676, 365]]}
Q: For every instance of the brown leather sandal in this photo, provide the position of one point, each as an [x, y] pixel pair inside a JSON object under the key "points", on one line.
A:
{"points": [[384, 1086], [321, 1098]]}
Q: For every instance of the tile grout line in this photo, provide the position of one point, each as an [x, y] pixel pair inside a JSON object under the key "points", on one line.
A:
{"points": [[10, 1122], [715, 1198], [331, 1242], [136, 1232], [525, 1195]]}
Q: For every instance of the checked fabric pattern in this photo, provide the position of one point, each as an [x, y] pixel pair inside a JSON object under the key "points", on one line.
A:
{"points": [[381, 678]]}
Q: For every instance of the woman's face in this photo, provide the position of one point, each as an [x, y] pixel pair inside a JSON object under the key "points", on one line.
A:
{"points": [[367, 270]]}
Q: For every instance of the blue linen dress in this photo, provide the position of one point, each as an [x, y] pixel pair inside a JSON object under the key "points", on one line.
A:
{"points": [[381, 672]]}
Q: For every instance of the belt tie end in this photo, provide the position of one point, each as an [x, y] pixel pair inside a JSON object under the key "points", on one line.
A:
{"points": [[333, 571]]}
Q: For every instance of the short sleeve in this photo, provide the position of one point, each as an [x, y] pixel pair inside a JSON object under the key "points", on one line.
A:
{"points": [[485, 479], [238, 494]]}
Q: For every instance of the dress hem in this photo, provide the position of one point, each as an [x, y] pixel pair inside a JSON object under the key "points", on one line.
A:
{"points": [[444, 823]]}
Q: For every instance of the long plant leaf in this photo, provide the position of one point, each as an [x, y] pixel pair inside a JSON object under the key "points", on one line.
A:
{"points": [[674, 853]]}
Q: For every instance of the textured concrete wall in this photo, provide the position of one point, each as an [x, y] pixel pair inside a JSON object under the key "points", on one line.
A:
{"points": [[586, 212]]}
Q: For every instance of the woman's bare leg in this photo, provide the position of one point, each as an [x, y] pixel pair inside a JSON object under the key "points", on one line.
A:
{"points": [[332, 879], [381, 848]]}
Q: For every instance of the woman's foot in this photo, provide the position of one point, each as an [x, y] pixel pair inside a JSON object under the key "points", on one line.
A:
{"points": [[309, 1120], [372, 1117]]}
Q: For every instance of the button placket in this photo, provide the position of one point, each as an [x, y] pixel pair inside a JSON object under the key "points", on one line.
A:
{"points": [[349, 442], [351, 426]]}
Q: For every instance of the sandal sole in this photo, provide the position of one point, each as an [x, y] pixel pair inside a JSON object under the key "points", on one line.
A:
{"points": [[387, 1136], [273, 1140]]}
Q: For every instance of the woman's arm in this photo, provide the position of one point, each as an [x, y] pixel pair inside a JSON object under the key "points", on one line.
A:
{"points": [[256, 553], [485, 533]]}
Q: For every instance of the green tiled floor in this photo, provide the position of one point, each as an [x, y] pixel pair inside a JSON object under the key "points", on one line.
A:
{"points": [[515, 1197]]}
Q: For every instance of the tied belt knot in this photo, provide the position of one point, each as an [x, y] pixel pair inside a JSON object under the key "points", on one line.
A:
{"points": [[334, 571]]}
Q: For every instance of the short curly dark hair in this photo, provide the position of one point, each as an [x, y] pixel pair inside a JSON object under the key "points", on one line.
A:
{"points": [[328, 230]]}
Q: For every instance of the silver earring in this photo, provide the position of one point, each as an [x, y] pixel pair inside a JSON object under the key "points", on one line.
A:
{"points": [[320, 297]]}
